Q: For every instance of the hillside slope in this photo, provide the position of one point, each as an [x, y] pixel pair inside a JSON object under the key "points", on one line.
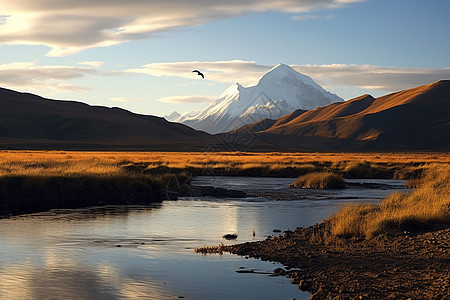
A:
{"points": [[413, 119], [30, 121]]}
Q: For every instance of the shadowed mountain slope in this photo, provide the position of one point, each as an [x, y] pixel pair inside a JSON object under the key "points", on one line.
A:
{"points": [[414, 119], [28, 121]]}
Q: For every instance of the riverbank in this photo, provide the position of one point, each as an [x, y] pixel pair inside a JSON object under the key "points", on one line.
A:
{"points": [[401, 266], [34, 181], [397, 249], [20, 194]]}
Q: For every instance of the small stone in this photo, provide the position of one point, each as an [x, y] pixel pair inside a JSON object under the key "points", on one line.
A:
{"points": [[279, 271], [304, 285]]}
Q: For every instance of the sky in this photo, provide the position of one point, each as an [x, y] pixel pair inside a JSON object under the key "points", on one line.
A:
{"points": [[139, 54]]}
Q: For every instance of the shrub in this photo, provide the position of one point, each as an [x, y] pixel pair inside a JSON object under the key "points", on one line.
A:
{"points": [[319, 180]]}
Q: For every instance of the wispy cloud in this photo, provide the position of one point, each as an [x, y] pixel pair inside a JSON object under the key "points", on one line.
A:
{"points": [[247, 72], [71, 26], [187, 99], [95, 64], [30, 75], [311, 17], [374, 77]]}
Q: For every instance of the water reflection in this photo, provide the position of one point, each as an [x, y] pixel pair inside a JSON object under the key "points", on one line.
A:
{"points": [[74, 282], [130, 253], [147, 252]]}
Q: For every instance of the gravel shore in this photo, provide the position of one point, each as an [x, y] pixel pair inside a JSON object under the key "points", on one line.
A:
{"points": [[389, 266]]}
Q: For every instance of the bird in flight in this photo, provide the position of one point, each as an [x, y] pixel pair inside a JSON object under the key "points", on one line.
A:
{"points": [[199, 73]]}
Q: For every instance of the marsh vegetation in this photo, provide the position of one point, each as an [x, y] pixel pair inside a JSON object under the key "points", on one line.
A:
{"points": [[38, 180], [428, 205], [319, 180], [350, 165]]}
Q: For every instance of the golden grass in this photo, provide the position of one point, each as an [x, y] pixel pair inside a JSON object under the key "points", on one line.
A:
{"points": [[211, 249], [319, 180], [71, 163], [168, 170], [428, 205]]}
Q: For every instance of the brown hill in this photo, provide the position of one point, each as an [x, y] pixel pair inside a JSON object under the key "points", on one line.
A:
{"points": [[414, 119], [28, 121]]}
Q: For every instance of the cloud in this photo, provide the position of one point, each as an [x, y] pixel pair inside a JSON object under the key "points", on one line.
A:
{"points": [[373, 77], [311, 17], [247, 72], [187, 99], [96, 64], [30, 75], [71, 26]]}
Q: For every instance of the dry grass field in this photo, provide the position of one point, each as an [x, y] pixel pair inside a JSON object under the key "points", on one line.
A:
{"points": [[427, 205], [39, 180], [356, 165]]}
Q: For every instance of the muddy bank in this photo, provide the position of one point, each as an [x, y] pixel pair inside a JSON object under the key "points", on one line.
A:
{"points": [[31, 194], [389, 266], [189, 190]]}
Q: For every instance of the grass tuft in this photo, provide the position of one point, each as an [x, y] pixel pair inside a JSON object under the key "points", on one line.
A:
{"points": [[319, 180]]}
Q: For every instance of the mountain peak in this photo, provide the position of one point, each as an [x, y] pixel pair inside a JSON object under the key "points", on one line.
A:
{"points": [[281, 69], [282, 66], [172, 117], [282, 72], [278, 92]]}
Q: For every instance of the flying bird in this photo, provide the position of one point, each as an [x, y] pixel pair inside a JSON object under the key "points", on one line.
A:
{"points": [[199, 73]]}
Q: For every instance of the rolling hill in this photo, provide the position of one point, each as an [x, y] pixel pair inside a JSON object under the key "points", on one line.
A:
{"points": [[411, 120], [29, 121]]}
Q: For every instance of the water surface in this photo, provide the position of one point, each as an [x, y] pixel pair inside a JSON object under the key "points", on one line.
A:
{"points": [[148, 252]]}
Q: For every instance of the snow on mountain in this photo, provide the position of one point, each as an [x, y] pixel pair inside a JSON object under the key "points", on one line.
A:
{"points": [[277, 93], [172, 117]]}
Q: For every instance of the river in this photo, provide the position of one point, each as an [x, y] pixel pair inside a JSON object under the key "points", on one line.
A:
{"points": [[133, 252]]}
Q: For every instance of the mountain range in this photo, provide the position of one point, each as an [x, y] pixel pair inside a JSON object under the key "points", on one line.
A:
{"points": [[409, 120], [277, 93], [416, 119]]}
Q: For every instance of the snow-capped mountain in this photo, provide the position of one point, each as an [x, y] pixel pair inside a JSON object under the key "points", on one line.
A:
{"points": [[277, 93], [172, 117]]}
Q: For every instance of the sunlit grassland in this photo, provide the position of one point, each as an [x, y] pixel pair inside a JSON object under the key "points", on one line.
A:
{"points": [[38, 180], [425, 206], [356, 165]]}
